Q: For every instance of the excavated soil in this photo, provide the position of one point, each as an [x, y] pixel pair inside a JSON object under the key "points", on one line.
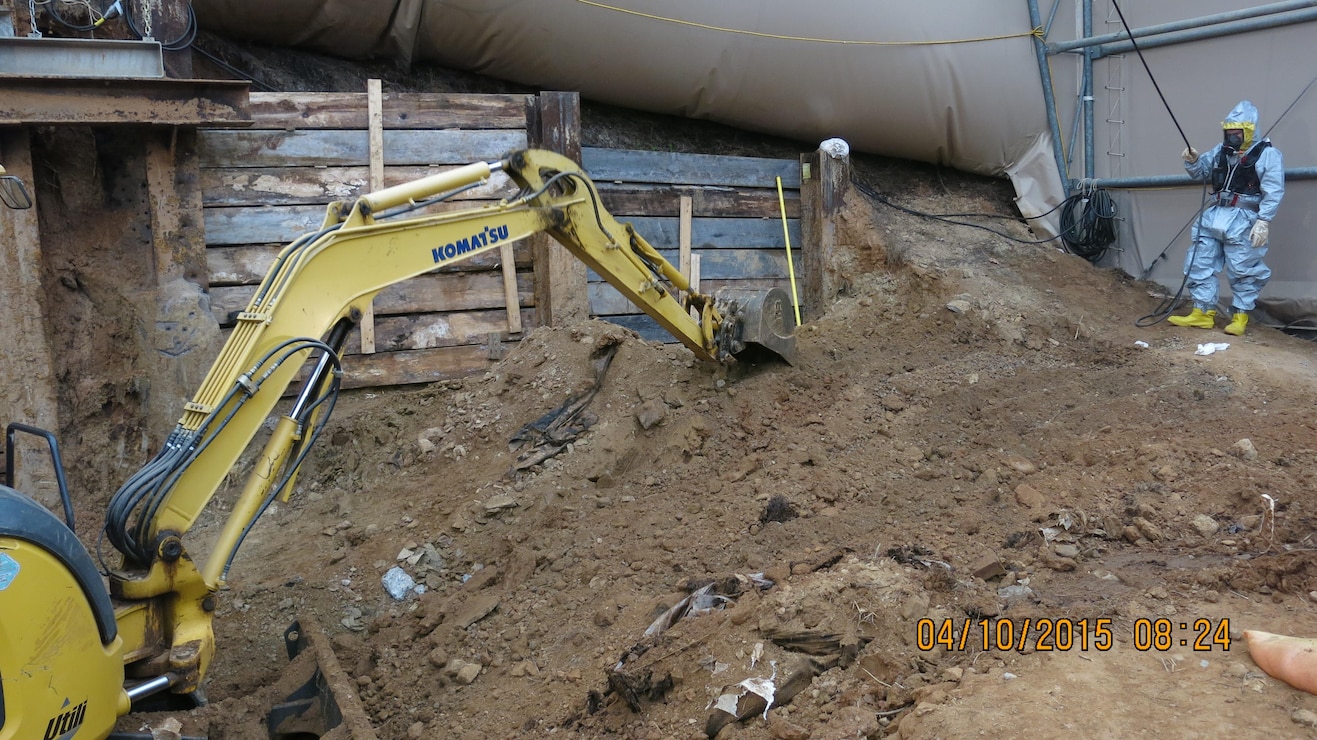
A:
{"points": [[974, 436]]}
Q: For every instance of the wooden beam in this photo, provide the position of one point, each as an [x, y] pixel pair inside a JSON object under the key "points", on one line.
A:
{"points": [[328, 110], [280, 224], [508, 264], [821, 194], [695, 282], [248, 264], [375, 102], [285, 148], [684, 242], [677, 168], [286, 186], [448, 329], [665, 200], [414, 366], [559, 276], [430, 292]]}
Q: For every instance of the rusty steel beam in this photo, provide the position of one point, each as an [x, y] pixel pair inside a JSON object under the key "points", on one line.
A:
{"points": [[85, 101]]}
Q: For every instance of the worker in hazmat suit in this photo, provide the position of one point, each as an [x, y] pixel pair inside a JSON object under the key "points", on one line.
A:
{"points": [[1248, 183]]}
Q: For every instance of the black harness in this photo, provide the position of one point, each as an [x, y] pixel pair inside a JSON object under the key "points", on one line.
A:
{"points": [[1242, 179]]}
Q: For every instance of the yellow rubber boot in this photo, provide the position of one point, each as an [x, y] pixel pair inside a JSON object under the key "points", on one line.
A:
{"points": [[1200, 320], [1237, 324]]}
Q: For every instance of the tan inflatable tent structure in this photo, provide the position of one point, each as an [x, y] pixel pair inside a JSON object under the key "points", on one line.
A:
{"points": [[1051, 95]]}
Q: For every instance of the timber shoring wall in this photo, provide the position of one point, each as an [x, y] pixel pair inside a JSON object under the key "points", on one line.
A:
{"points": [[733, 224], [268, 184]]}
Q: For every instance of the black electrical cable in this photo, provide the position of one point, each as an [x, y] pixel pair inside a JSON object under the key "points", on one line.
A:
{"points": [[233, 70], [1089, 232], [869, 191]]}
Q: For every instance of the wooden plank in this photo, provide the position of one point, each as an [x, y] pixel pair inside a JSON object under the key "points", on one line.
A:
{"points": [[663, 200], [695, 283], [684, 242], [223, 148], [508, 265], [248, 264], [715, 233], [606, 301], [631, 166], [375, 95], [282, 224], [375, 118], [284, 110], [261, 225], [452, 292], [415, 366], [822, 199], [642, 324], [282, 186], [728, 264], [683, 238], [429, 330]]}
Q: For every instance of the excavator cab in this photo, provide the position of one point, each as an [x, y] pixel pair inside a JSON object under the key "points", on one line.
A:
{"points": [[12, 192]]}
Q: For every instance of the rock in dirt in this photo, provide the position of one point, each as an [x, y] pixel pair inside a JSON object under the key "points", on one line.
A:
{"points": [[1148, 529], [1244, 449], [987, 567], [1066, 551], [1205, 525], [397, 583], [849, 722], [651, 413], [1028, 496], [1304, 717]]}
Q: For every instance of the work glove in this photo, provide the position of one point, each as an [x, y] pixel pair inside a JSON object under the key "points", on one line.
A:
{"points": [[1190, 155], [1259, 234]]}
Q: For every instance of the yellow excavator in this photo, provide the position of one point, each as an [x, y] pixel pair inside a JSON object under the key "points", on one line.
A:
{"points": [[76, 655]]}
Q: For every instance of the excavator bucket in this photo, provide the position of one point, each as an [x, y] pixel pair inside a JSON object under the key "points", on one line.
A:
{"points": [[324, 703], [757, 321]]}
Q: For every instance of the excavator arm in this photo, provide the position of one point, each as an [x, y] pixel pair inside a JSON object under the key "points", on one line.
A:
{"points": [[303, 312]]}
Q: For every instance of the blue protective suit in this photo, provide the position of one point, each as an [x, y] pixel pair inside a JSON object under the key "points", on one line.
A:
{"points": [[1220, 234]]}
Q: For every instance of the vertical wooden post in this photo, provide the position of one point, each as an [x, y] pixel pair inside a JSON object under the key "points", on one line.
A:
{"points": [[694, 277], [30, 397], [508, 262], [561, 296], [825, 178], [375, 122], [684, 241]]}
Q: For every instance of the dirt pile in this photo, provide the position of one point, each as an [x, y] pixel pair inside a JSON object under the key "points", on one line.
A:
{"points": [[972, 439]]}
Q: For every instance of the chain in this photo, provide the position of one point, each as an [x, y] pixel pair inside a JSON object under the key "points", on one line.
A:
{"points": [[32, 18]]}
